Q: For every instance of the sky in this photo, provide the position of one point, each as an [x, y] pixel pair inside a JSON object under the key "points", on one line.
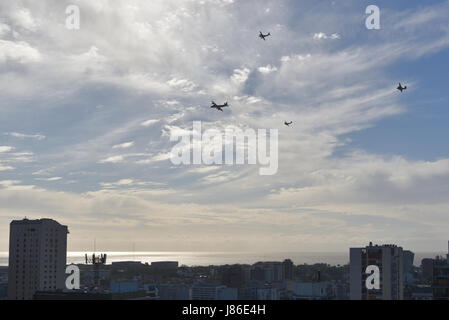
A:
{"points": [[86, 119]]}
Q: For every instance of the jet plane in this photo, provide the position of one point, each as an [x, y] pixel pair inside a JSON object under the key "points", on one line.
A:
{"points": [[263, 36], [219, 107], [401, 88], [288, 124]]}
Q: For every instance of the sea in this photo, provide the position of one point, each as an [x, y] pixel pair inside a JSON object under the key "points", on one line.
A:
{"points": [[222, 258]]}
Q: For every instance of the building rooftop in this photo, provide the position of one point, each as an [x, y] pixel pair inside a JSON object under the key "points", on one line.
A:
{"points": [[26, 221]]}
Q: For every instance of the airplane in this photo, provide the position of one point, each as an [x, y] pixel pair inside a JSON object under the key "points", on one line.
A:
{"points": [[219, 107], [401, 88], [263, 36], [288, 124]]}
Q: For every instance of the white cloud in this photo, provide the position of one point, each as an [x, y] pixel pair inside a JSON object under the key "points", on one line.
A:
{"points": [[50, 179], [267, 69], [23, 18], [113, 159], [6, 149], [149, 123], [322, 35], [240, 75], [184, 85], [125, 145], [20, 52], [120, 183], [26, 136]]}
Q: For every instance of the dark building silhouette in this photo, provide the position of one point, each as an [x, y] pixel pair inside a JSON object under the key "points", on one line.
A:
{"points": [[427, 269], [233, 276], [288, 267]]}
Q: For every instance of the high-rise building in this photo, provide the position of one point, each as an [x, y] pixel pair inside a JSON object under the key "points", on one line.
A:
{"points": [[409, 258], [37, 257], [389, 259], [288, 267], [427, 268], [440, 283]]}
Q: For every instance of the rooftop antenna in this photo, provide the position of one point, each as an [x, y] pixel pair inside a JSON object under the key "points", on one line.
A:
{"points": [[96, 262]]}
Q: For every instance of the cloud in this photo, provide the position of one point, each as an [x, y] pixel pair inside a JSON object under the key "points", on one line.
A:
{"points": [[329, 192], [4, 29], [6, 149], [123, 182], [50, 179], [324, 36], [22, 17], [184, 85], [125, 145], [26, 136], [149, 123], [20, 52], [113, 159], [267, 70], [240, 75]]}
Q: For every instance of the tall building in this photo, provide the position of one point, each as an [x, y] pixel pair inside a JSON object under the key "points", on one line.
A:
{"points": [[288, 267], [389, 259], [37, 257], [427, 268], [408, 266], [440, 283]]}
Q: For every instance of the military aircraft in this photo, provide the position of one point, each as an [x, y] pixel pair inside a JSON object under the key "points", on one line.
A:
{"points": [[401, 88], [219, 107], [288, 124], [263, 36]]}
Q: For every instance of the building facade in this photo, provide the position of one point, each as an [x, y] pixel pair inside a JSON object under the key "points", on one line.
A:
{"points": [[440, 278], [389, 259], [37, 257], [211, 291]]}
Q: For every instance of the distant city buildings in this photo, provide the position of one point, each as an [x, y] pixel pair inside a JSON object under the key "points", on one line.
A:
{"points": [[390, 260], [174, 292], [3, 283], [213, 291], [268, 272], [37, 257], [165, 265], [311, 290], [37, 262]]}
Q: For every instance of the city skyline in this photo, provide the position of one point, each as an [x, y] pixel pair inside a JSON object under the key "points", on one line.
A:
{"points": [[87, 116], [38, 269]]}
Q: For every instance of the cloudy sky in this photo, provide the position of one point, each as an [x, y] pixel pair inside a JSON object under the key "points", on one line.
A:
{"points": [[86, 118]]}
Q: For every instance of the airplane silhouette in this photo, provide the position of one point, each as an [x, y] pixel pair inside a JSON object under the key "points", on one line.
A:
{"points": [[219, 107], [288, 124], [401, 88], [263, 36]]}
